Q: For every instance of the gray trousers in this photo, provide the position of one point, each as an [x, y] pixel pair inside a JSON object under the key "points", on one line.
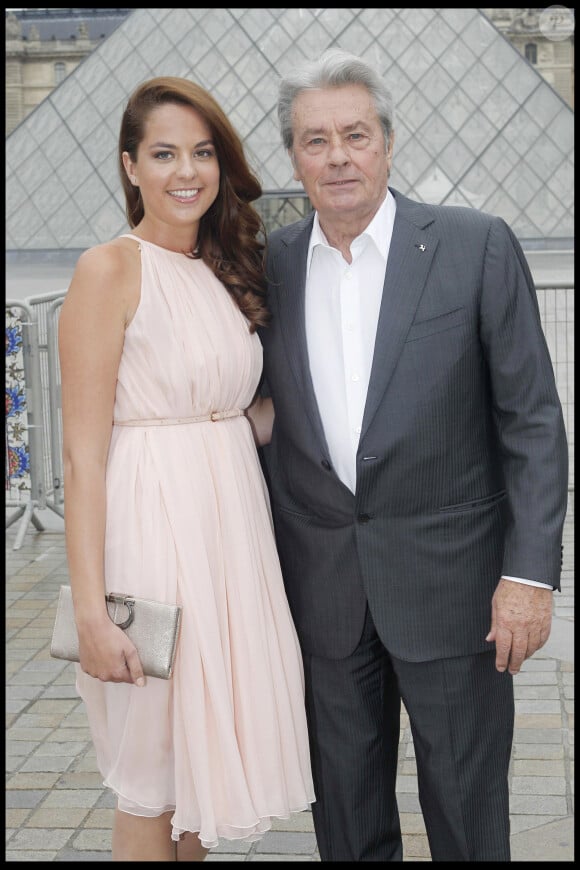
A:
{"points": [[461, 712]]}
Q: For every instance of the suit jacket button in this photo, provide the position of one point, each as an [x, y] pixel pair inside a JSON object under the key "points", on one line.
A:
{"points": [[363, 518], [325, 464]]}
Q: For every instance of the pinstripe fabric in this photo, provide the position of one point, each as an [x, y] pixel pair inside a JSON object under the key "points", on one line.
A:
{"points": [[461, 712], [353, 711], [462, 463]]}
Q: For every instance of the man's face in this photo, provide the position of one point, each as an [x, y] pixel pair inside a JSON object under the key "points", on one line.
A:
{"points": [[339, 153]]}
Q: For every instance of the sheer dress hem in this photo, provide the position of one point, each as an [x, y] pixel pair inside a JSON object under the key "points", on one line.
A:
{"points": [[249, 833]]}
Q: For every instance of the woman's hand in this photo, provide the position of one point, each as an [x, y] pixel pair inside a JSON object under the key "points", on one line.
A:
{"points": [[107, 653]]}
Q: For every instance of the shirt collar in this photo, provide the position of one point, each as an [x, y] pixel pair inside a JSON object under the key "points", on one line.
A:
{"points": [[379, 230]]}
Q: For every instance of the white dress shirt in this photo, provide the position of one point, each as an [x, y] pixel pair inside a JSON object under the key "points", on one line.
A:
{"points": [[342, 302], [342, 312]]}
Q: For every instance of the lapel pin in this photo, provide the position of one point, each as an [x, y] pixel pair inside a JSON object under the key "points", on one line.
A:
{"points": [[421, 247]]}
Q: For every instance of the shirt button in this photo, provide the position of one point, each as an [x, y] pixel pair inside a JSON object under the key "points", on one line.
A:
{"points": [[355, 377], [363, 518], [348, 275], [325, 464], [357, 430]]}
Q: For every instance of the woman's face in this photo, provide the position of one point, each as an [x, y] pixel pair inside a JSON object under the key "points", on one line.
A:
{"points": [[177, 169]]}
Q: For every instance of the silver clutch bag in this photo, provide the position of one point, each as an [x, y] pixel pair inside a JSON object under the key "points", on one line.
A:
{"points": [[151, 625]]}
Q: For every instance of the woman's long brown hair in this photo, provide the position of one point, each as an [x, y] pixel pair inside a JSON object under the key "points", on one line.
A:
{"points": [[232, 235]]}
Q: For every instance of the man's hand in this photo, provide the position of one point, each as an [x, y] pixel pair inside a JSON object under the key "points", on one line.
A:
{"points": [[521, 617]]}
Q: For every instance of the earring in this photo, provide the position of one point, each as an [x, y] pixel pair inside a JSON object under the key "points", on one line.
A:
{"points": [[133, 180]]}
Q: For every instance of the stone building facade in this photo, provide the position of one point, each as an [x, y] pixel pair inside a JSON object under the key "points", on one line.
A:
{"points": [[545, 38], [43, 46]]}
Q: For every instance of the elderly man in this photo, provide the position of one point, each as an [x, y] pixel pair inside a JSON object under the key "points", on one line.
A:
{"points": [[418, 474]]}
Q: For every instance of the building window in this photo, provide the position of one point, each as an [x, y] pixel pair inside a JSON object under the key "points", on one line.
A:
{"points": [[59, 72], [532, 52]]}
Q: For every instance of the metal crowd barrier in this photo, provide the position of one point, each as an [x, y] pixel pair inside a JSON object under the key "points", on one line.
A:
{"points": [[47, 309], [556, 303], [24, 481], [33, 461]]}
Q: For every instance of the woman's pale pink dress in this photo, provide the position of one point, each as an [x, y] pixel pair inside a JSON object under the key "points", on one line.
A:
{"points": [[223, 744]]}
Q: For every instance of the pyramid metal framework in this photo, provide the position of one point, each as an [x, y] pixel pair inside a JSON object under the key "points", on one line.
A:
{"points": [[475, 124]]}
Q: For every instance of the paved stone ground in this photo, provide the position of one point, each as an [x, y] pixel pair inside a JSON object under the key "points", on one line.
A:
{"points": [[57, 809]]}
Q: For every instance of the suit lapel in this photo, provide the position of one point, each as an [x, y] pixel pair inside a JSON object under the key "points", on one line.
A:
{"points": [[291, 315], [410, 256]]}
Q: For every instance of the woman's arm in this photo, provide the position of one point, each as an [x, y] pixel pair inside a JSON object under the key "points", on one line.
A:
{"points": [[261, 417], [92, 324]]}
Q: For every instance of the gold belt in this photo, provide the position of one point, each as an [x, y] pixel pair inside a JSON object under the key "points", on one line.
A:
{"points": [[214, 417]]}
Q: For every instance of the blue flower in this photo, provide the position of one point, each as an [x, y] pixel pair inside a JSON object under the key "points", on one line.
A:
{"points": [[13, 340], [15, 402]]}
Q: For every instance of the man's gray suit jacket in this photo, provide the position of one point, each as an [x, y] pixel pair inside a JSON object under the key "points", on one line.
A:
{"points": [[462, 462]]}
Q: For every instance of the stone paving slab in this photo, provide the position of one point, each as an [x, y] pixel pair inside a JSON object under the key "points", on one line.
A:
{"points": [[58, 810], [553, 841]]}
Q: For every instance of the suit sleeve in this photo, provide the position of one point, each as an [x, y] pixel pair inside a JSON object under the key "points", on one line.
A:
{"points": [[527, 411]]}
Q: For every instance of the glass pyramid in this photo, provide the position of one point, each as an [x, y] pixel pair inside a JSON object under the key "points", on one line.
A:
{"points": [[475, 124]]}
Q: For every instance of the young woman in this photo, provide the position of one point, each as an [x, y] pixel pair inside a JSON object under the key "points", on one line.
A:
{"points": [[165, 497]]}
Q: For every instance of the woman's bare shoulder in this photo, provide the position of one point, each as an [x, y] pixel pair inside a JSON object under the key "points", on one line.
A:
{"points": [[109, 272], [110, 258]]}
